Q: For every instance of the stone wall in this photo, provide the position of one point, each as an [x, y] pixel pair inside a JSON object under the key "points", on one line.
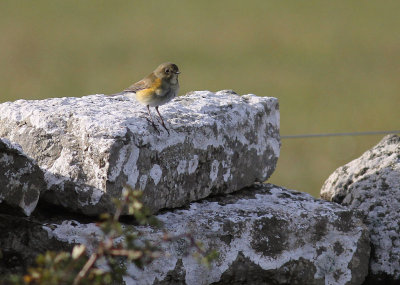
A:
{"points": [[64, 157]]}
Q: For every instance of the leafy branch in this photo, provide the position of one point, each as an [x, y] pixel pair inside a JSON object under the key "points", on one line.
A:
{"points": [[117, 245]]}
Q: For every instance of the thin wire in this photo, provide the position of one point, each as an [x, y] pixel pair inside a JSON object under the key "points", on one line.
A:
{"points": [[339, 134]]}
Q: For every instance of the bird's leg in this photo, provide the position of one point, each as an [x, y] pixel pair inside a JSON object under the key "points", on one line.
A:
{"points": [[151, 118], [162, 121]]}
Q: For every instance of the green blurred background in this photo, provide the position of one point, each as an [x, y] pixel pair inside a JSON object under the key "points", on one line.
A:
{"points": [[334, 65]]}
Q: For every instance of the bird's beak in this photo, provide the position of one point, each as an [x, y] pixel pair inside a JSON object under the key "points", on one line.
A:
{"points": [[177, 72]]}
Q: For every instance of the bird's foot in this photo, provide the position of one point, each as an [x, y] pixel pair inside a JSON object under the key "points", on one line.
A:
{"points": [[166, 129], [163, 124], [153, 124]]}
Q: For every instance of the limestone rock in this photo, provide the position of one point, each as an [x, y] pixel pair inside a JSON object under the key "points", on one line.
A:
{"points": [[91, 147], [21, 180], [371, 184], [264, 234]]}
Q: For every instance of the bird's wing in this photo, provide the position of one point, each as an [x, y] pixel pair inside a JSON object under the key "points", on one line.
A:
{"points": [[140, 85]]}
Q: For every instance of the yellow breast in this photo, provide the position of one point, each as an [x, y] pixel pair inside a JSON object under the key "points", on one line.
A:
{"points": [[146, 96]]}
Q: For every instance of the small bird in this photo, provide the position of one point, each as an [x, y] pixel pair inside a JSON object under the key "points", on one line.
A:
{"points": [[156, 89]]}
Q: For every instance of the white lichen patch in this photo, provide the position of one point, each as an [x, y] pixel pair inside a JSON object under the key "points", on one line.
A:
{"points": [[227, 175], [73, 232], [193, 163], [28, 208], [130, 168], [119, 166], [156, 173], [20, 178], [181, 167], [226, 168], [143, 181], [214, 170]]}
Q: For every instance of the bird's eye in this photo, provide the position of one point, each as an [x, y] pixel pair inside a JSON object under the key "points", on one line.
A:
{"points": [[167, 70]]}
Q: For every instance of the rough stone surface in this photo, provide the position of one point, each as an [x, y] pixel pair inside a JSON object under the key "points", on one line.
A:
{"points": [[264, 234], [371, 184], [92, 146], [21, 180], [21, 240]]}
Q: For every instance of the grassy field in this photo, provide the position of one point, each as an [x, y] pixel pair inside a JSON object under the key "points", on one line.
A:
{"points": [[333, 65]]}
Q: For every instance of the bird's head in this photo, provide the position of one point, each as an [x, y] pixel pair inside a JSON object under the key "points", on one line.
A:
{"points": [[167, 71]]}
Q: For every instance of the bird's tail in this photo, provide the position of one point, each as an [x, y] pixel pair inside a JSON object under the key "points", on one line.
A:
{"points": [[117, 94]]}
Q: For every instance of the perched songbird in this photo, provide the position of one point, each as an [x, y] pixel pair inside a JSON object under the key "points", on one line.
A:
{"points": [[156, 89]]}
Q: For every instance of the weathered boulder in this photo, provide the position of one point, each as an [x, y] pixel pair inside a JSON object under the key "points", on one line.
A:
{"points": [[371, 184], [264, 234], [21, 180], [91, 147]]}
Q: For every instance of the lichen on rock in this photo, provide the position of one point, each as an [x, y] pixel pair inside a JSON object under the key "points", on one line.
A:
{"points": [[91, 147], [370, 184]]}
